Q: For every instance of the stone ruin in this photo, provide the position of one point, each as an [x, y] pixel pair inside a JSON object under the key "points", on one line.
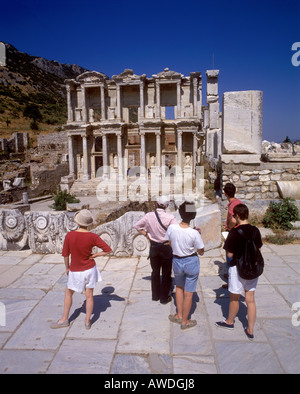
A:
{"points": [[35, 172], [125, 118]]}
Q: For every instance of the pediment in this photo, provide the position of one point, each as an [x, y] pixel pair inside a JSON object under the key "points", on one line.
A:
{"points": [[168, 74], [128, 76], [91, 77]]}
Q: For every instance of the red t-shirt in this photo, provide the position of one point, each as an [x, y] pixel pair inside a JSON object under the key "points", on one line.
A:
{"points": [[80, 245], [231, 205]]}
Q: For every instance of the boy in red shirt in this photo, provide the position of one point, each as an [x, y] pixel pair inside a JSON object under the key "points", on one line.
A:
{"points": [[83, 273]]}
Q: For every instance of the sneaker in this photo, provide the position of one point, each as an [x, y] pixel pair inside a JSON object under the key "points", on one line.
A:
{"points": [[250, 336], [223, 324]]}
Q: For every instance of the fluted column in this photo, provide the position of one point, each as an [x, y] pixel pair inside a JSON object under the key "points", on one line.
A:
{"points": [[84, 110], [119, 102], [158, 149], [104, 156], [195, 145], [103, 117], [157, 87], [71, 155], [143, 154], [179, 99], [142, 105], [69, 104], [120, 161], [179, 148], [85, 159]]}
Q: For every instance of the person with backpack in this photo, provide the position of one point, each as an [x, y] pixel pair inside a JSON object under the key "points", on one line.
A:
{"points": [[243, 246], [154, 226], [229, 191]]}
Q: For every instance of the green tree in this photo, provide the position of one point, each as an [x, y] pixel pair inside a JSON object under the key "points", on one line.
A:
{"points": [[32, 111], [287, 139]]}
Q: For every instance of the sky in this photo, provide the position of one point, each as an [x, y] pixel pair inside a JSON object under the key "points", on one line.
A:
{"points": [[250, 42]]}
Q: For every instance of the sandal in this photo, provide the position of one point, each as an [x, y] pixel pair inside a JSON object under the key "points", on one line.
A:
{"points": [[190, 324], [174, 319]]}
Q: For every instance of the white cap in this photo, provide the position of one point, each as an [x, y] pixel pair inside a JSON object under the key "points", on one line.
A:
{"points": [[163, 201]]}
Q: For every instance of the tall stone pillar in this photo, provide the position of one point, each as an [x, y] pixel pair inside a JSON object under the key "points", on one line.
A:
{"points": [[84, 109], [71, 155], [142, 104], [213, 98], [157, 88], [143, 154], [69, 104], [119, 108], [179, 148], [196, 78], [195, 147], [85, 159], [105, 158], [158, 149], [103, 116], [120, 161], [179, 99]]}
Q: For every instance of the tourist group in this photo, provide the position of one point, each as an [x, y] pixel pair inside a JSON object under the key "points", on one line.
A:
{"points": [[173, 247]]}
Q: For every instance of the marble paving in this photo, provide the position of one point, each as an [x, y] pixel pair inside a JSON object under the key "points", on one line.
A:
{"points": [[131, 334]]}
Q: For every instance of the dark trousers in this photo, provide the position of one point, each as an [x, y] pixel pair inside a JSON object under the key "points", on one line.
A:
{"points": [[161, 260]]}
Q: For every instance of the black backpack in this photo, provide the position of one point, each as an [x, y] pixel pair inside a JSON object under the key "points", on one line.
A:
{"points": [[251, 263]]}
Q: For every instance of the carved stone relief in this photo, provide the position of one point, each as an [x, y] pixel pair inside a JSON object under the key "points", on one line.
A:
{"points": [[47, 230], [13, 233], [122, 237]]}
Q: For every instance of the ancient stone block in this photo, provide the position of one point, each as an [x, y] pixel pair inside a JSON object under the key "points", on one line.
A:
{"points": [[242, 122]]}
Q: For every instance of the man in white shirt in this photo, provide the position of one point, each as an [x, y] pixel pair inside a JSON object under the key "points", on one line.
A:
{"points": [[186, 243]]}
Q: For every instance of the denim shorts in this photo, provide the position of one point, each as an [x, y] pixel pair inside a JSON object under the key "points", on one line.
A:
{"points": [[186, 271]]}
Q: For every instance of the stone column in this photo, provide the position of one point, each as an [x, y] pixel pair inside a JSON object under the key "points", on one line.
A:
{"points": [[142, 105], [157, 88], [119, 147], [179, 148], [103, 117], [104, 155], [158, 149], [195, 97], [213, 98], [143, 154], [84, 110], [71, 155], [85, 159], [195, 145], [179, 99], [119, 109], [69, 104]]}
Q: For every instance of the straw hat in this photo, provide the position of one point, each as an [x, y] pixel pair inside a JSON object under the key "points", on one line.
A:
{"points": [[84, 218]]}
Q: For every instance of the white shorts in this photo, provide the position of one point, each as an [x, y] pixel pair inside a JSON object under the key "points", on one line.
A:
{"points": [[237, 285], [79, 281]]}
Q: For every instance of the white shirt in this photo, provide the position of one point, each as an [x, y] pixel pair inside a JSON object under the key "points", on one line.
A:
{"points": [[184, 241]]}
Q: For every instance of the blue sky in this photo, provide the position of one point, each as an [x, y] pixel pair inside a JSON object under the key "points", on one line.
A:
{"points": [[250, 41]]}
